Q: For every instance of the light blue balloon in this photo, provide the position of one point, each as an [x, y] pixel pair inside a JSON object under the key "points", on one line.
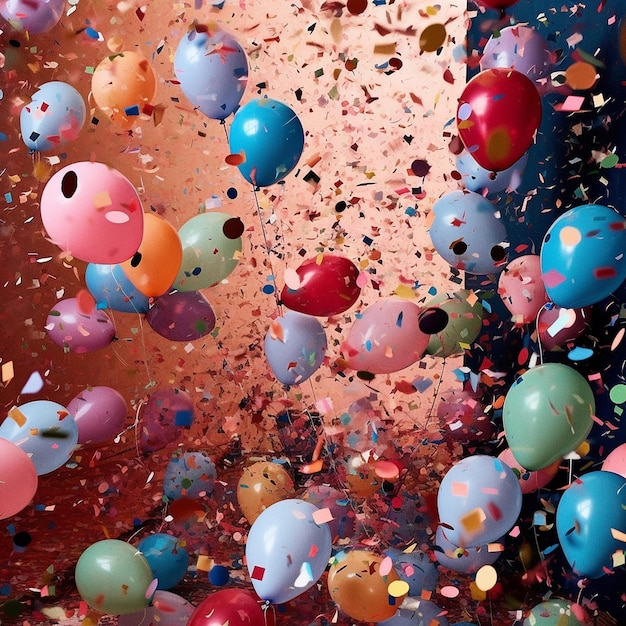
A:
{"points": [[467, 233], [295, 346], [427, 613], [53, 118], [287, 550], [416, 569], [43, 429], [269, 137], [462, 560], [166, 558], [582, 256], [477, 178], [189, 476], [212, 69], [110, 287]]}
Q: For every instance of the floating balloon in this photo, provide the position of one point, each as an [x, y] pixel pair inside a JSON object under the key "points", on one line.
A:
{"points": [[113, 577], [462, 560], [323, 286], [212, 69], [556, 612], [154, 266], [111, 288], [295, 347], [547, 413], [235, 607], [33, 16], [19, 481], [391, 335], [167, 559], [615, 461], [53, 117], [166, 411], [77, 330], [324, 497], [124, 86], [211, 244], [466, 419], [166, 609], [467, 233], [44, 430], [190, 475], [498, 115], [416, 569], [426, 613], [287, 550], [479, 501], [588, 515], [477, 178], [267, 137], [556, 326], [100, 414], [582, 255], [529, 481], [92, 212], [181, 316], [521, 289]]}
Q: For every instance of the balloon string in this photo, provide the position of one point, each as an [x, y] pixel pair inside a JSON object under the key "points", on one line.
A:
{"points": [[435, 395], [539, 344]]}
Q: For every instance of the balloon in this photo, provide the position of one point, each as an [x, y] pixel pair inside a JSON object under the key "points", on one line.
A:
{"points": [[34, 16], [547, 413], [477, 178], [268, 137], [111, 288], [427, 613], [77, 330], [124, 86], [295, 346], [465, 419], [462, 560], [166, 411], [44, 430], [100, 414], [189, 476], [582, 255], [262, 484], [530, 481], [416, 568], [557, 326], [479, 501], [181, 316], [211, 248], [390, 335], [465, 320], [323, 286], [497, 116], [287, 550], [92, 212], [497, 4], [113, 577], [358, 587], [53, 117], [167, 559], [154, 266], [235, 607], [615, 461], [212, 69], [325, 497], [18, 478], [555, 612], [589, 512], [520, 48], [521, 289], [166, 609], [467, 233]]}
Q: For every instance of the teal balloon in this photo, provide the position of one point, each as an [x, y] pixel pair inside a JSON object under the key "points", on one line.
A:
{"points": [[167, 559], [269, 137], [113, 577], [111, 288], [189, 475], [547, 413], [554, 612]]}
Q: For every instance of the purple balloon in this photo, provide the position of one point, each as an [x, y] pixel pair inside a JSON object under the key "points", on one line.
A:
{"points": [[181, 316], [99, 412], [34, 16], [164, 414]]}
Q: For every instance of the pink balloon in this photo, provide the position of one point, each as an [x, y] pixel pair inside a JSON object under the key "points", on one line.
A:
{"points": [[93, 212], [34, 16], [529, 481], [557, 325], [616, 461], [18, 479], [522, 289], [99, 412], [77, 331]]}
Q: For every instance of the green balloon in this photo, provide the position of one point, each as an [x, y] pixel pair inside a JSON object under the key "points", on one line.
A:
{"points": [[211, 247], [553, 613], [464, 322], [113, 577], [547, 413]]}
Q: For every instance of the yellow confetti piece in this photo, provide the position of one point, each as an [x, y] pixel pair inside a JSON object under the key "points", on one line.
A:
{"points": [[618, 535], [473, 521], [204, 563], [102, 199], [8, 372], [17, 416], [486, 577], [398, 588], [404, 291]]}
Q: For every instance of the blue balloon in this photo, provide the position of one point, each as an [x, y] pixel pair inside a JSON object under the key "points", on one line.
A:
{"points": [[426, 613], [189, 476], [54, 117], [476, 178], [462, 560], [269, 137], [287, 550], [166, 558], [212, 69], [582, 256], [416, 569], [588, 513], [109, 286]]}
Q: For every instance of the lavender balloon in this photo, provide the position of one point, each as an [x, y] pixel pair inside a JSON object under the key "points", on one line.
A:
{"points": [[100, 414], [181, 316]]}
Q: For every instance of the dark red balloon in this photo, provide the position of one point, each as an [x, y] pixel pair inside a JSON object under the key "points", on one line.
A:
{"points": [[498, 115], [328, 286], [235, 607], [496, 4]]}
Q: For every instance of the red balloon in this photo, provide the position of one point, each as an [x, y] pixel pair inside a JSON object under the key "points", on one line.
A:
{"points": [[327, 286], [235, 607], [498, 114], [496, 4]]}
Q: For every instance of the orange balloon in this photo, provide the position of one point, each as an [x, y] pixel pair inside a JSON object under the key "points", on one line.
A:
{"points": [[122, 85], [261, 485], [360, 590], [153, 268]]}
